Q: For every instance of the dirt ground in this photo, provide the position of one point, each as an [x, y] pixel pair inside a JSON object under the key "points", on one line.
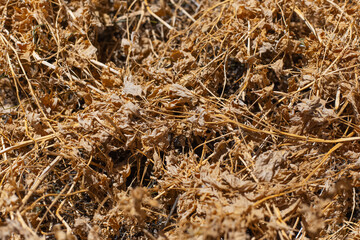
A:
{"points": [[179, 119]]}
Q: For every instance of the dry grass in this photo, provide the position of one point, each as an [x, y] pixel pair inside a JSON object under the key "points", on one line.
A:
{"points": [[179, 119]]}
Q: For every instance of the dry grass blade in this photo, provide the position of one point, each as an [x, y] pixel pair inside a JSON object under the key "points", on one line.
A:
{"points": [[301, 15]]}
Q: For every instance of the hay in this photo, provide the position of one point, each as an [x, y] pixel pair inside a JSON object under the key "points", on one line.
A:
{"points": [[179, 119]]}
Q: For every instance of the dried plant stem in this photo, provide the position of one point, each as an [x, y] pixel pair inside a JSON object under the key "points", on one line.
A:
{"points": [[156, 16], [27, 143], [38, 180]]}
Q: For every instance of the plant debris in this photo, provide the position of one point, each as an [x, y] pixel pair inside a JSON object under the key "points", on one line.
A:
{"points": [[178, 119]]}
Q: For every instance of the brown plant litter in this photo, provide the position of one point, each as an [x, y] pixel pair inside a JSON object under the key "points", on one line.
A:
{"points": [[180, 119]]}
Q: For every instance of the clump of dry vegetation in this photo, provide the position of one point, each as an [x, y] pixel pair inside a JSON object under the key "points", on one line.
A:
{"points": [[179, 119]]}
